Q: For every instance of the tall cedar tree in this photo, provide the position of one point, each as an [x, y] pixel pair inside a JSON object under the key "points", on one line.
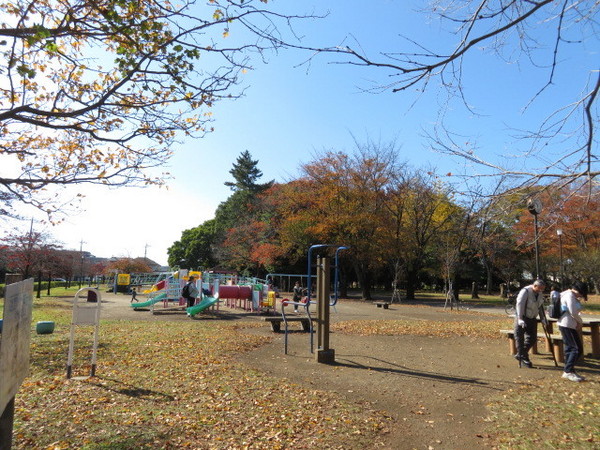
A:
{"points": [[245, 172]]}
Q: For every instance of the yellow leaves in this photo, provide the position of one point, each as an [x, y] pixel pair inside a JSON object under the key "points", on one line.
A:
{"points": [[218, 14]]}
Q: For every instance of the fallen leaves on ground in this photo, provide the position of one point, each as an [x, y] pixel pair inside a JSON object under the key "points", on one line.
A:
{"points": [[553, 413], [446, 328], [175, 385]]}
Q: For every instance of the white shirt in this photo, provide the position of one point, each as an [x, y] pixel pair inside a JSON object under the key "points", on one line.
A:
{"points": [[571, 308], [533, 300]]}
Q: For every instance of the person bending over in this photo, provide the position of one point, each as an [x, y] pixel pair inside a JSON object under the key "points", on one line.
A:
{"points": [[529, 301]]}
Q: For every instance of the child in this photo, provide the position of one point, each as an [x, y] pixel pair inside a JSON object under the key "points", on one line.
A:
{"points": [[133, 295]]}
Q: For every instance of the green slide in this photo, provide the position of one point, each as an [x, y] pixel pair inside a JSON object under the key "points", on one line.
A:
{"points": [[150, 302], [208, 301]]}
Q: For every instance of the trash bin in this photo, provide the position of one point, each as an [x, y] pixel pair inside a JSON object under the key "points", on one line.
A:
{"points": [[91, 296]]}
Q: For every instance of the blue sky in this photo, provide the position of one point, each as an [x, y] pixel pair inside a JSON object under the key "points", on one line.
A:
{"points": [[288, 114]]}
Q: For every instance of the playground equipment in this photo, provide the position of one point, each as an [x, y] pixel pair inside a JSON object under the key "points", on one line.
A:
{"points": [[336, 272], [248, 293], [84, 314], [236, 296], [251, 294], [168, 291], [206, 302], [285, 281], [157, 298], [324, 302]]}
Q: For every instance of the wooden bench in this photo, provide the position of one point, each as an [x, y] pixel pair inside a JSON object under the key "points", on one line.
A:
{"points": [[555, 344], [380, 304], [277, 321], [557, 347]]}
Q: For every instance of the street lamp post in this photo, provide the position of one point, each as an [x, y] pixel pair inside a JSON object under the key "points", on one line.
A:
{"points": [[535, 207], [559, 232]]}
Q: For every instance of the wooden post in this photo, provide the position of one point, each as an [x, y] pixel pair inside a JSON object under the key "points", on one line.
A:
{"points": [[6, 425], [324, 353], [595, 331], [14, 352]]}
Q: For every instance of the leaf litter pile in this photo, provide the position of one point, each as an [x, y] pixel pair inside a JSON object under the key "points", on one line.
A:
{"points": [[175, 385], [462, 326]]}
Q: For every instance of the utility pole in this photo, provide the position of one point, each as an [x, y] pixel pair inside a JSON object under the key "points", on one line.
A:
{"points": [[29, 250]]}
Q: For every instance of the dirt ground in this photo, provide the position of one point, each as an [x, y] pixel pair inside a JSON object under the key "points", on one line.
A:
{"points": [[434, 389]]}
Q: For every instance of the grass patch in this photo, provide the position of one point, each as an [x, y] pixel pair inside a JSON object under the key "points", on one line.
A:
{"points": [[173, 385], [552, 414]]}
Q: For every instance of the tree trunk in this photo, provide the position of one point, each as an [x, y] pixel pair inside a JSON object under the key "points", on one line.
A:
{"points": [[343, 284], [455, 290], [364, 278], [39, 285], [490, 279], [411, 280]]}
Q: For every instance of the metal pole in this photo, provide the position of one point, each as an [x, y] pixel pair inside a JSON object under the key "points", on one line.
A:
{"points": [[535, 207], [309, 269], [562, 275], [336, 273], [537, 248]]}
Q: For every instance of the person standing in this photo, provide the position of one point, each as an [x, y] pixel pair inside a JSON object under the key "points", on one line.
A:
{"points": [[529, 301], [569, 325], [297, 295], [133, 296], [192, 291]]}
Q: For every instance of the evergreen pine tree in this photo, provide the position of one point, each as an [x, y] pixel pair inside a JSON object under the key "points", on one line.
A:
{"points": [[245, 173]]}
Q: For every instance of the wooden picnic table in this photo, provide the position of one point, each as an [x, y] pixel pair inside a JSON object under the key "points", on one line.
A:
{"points": [[594, 332]]}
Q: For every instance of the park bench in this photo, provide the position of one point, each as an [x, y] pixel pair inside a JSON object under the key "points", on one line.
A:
{"points": [[276, 322], [555, 344], [382, 304]]}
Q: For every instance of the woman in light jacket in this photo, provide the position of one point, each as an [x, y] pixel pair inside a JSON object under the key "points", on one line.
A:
{"points": [[569, 325]]}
